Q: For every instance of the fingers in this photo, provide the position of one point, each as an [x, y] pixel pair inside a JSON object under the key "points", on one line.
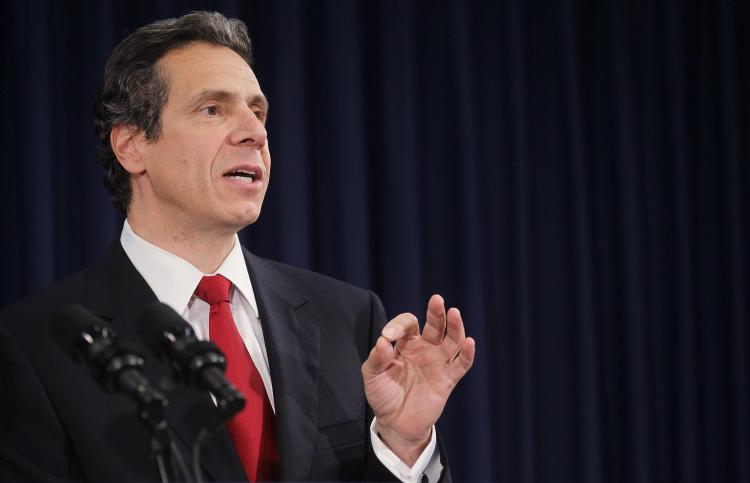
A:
{"points": [[455, 334], [434, 327], [380, 356], [455, 326], [401, 326], [464, 360], [442, 329]]}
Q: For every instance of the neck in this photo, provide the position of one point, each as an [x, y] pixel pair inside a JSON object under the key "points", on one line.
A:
{"points": [[204, 249]]}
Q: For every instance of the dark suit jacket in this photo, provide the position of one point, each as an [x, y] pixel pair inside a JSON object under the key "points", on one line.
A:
{"points": [[58, 424]]}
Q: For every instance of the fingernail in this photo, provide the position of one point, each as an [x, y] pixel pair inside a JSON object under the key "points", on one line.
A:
{"points": [[389, 332]]}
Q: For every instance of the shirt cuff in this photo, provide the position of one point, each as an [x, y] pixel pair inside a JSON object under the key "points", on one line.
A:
{"points": [[428, 464]]}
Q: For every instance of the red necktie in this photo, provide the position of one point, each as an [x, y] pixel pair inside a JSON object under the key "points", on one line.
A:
{"points": [[253, 429]]}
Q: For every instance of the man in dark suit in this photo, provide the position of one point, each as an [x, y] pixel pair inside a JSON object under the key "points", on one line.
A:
{"points": [[181, 120]]}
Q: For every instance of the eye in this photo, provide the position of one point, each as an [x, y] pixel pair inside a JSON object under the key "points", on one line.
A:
{"points": [[260, 114], [211, 110]]}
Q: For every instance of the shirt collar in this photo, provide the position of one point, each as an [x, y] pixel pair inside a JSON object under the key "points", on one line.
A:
{"points": [[173, 279]]}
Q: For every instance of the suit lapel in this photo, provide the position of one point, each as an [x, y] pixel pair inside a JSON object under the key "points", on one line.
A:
{"points": [[291, 338], [117, 293]]}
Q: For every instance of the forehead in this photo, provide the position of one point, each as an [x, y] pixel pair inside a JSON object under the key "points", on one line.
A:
{"points": [[200, 66]]}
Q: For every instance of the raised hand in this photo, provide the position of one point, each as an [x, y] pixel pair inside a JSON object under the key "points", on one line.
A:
{"points": [[408, 384]]}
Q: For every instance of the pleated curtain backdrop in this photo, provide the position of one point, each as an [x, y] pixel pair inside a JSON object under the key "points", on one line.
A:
{"points": [[572, 175]]}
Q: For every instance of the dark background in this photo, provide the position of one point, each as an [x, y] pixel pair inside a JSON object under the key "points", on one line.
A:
{"points": [[573, 175]]}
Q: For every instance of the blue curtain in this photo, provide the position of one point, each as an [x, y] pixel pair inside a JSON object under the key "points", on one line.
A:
{"points": [[573, 175]]}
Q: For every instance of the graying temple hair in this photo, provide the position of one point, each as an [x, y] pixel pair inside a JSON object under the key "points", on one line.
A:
{"points": [[134, 90]]}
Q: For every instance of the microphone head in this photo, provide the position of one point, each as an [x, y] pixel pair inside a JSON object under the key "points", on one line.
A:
{"points": [[75, 328], [160, 326], [91, 340], [114, 364], [172, 340]]}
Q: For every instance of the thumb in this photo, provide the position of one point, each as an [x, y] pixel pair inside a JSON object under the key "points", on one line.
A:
{"points": [[380, 357]]}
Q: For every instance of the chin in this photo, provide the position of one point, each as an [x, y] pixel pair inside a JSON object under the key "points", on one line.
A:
{"points": [[244, 219]]}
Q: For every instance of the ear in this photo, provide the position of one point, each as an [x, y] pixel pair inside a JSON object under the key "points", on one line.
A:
{"points": [[125, 140]]}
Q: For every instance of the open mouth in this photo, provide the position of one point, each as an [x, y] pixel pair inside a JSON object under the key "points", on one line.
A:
{"points": [[244, 175]]}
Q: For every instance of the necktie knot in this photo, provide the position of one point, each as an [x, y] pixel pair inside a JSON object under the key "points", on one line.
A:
{"points": [[213, 289]]}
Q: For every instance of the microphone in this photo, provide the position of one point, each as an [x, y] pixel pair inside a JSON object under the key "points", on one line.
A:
{"points": [[115, 366], [200, 364], [118, 368], [196, 363]]}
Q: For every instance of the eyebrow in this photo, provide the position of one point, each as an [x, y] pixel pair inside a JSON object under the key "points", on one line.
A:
{"points": [[226, 96]]}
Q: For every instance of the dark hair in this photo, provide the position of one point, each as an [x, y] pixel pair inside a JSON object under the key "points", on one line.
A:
{"points": [[134, 90]]}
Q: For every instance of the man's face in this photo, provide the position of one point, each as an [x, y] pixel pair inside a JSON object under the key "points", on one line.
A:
{"points": [[210, 167]]}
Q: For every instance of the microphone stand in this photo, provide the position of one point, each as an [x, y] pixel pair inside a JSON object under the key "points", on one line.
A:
{"points": [[229, 401], [151, 406]]}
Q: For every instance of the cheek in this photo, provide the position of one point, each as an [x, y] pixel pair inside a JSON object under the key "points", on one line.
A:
{"points": [[265, 155], [195, 160]]}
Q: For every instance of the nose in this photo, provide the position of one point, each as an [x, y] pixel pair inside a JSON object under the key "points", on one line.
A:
{"points": [[250, 130]]}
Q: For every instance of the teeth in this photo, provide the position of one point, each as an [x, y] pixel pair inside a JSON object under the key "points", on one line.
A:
{"points": [[243, 179], [245, 176]]}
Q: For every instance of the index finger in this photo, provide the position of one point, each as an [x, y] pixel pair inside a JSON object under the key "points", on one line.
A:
{"points": [[402, 325]]}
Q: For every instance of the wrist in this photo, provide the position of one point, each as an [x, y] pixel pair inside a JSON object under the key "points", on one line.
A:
{"points": [[408, 450]]}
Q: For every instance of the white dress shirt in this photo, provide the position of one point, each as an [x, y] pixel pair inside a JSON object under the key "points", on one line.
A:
{"points": [[174, 280]]}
